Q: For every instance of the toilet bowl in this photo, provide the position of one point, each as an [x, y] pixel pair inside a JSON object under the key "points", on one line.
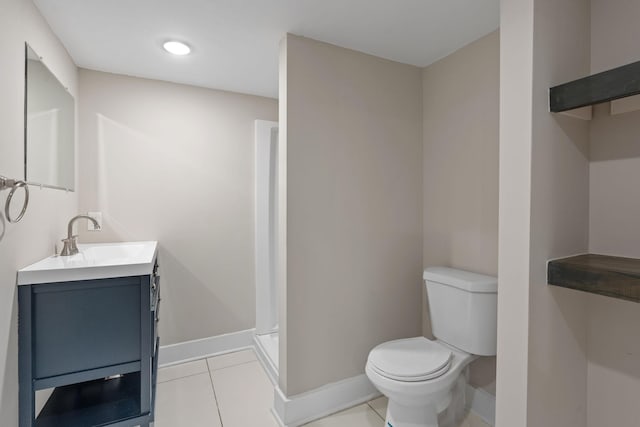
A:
{"points": [[417, 392], [418, 375]]}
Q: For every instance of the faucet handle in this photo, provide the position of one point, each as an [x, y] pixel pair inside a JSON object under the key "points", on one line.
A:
{"points": [[70, 246]]}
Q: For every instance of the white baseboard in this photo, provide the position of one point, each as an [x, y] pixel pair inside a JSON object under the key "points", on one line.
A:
{"points": [[197, 349], [267, 364], [297, 410], [482, 403]]}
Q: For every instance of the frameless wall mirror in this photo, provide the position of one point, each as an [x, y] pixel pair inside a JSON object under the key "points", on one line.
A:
{"points": [[49, 127]]}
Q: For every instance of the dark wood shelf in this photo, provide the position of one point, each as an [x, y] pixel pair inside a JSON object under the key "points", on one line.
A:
{"points": [[610, 276], [607, 86]]}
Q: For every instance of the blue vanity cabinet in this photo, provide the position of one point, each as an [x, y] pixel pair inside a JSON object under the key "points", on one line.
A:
{"points": [[96, 343]]}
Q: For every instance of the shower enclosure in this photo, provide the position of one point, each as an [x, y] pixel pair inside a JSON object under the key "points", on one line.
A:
{"points": [[266, 223]]}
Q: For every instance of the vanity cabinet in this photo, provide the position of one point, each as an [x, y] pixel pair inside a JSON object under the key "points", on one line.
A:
{"points": [[95, 342]]}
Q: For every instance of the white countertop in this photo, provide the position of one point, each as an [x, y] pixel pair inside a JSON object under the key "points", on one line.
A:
{"points": [[95, 261]]}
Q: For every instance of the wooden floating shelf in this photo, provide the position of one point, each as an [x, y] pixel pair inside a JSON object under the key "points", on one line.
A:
{"points": [[610, 276], [607, 86]]}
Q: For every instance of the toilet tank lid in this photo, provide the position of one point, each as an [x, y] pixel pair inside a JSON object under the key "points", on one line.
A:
{"points": [[461, 279]]}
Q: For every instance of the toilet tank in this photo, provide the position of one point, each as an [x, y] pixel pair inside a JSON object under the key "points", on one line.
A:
{"points": [[463, 309]]}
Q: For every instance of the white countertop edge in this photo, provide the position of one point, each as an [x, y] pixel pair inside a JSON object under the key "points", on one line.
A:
{"points": [[70, 275], [27, 276]]}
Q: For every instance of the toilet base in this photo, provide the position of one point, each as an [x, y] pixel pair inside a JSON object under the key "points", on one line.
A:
{"points": [[411, 416]]}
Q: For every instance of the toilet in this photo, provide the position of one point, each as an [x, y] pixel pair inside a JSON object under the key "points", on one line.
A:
{"points": [[418, 375]]}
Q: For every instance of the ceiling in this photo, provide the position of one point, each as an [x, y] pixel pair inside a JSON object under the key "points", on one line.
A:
{"points": [[235, 42]]}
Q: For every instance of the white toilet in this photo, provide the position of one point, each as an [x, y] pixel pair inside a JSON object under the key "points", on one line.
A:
{"points": [[417, 374]]}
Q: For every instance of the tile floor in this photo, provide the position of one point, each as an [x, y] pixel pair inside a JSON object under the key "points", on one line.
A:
{"points": [[233, 390]]}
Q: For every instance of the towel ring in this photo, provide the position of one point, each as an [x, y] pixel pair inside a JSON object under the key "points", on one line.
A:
{"points": [[14, 185], [7, 204]]}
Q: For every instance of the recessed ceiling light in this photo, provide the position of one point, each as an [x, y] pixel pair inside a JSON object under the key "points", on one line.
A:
{"points": [[176, 48]]}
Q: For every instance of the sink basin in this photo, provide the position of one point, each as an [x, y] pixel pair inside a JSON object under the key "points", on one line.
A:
{"points": [[113, 252], [94, 261]]}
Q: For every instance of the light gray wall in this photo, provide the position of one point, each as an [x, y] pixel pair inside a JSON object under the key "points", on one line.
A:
{"points": [[559, 219], [353, 143], [514, 210], [175, 163], [281, 269], [613, 343], [49, 210], [544, 214], [460, 158], [615, 140], [460, 168]]}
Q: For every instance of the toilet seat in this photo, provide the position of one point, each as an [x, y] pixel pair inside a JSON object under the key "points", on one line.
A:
{"points": [[410, 360]]}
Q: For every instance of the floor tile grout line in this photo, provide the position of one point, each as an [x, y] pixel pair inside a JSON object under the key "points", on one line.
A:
{"points": [[215, 396], [231, 366], [183, 376], [209, 369], [260, 373], [376, 412], [203, 357]]}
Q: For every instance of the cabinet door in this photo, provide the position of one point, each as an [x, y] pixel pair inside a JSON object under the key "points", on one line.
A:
{"points": [[85, 325]]}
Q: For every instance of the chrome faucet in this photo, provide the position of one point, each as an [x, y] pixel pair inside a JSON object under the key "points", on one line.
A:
{"points": [[70, 243]]}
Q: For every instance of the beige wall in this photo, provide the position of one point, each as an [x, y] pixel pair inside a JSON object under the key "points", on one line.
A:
{"points": [[557, 366], [583, 361], [614, 177], [175, 163], [516, 68], [353, 209], [544, 201], [460, 158], [460, 168], [614, 33], [281, 272], [49, 210], [614, 346], [614, 363], [615, 147]]}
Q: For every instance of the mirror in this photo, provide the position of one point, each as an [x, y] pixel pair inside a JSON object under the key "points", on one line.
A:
{"points": [[49, 127]]}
